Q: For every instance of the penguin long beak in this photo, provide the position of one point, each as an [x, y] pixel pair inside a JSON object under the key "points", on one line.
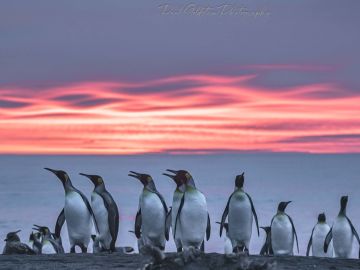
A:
{"points": [[172, 171], [51, 170], [134, 174], [169, 175], [91, 178]]}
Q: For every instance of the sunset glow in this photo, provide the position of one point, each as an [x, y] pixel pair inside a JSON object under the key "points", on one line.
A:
{"points": [[181, 114]]}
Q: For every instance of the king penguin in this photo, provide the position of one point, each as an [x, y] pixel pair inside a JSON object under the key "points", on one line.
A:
{"points": [[317, 238], [49, 245], [192, 218], [228, 249], [240, 211], [106, 213], [77, 213], [267, 248], [177, 196], [35, 242], [283, 232], [152, 212], [342, 233]]}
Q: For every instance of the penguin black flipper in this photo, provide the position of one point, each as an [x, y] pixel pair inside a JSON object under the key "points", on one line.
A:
{"points": [[162, 201], [293, 226], [138, 224], [59, 223], [179, 211], [168, 224], [353, 230], [310, 243], [328, 239], [208, 228], [254, 213], [224, 215], [113, 216]]}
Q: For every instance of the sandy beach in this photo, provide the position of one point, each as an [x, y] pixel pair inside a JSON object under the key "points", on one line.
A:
{"points": [[204, 261]]}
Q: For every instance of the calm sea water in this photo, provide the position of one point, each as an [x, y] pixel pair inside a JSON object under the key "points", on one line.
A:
{"points": [[315, 183]]}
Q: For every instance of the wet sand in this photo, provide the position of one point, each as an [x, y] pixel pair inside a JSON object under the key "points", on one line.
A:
{"points": [[204, 261]]}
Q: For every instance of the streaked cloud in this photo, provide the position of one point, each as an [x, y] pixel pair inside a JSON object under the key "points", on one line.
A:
{"points": [[196, 113]]}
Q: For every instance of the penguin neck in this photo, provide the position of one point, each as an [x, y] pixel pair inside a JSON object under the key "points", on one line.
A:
{"points": [[342, 211], [239, 189], [191, 183], [150, 187], [100, 188], [68, 187], [279, 212]]}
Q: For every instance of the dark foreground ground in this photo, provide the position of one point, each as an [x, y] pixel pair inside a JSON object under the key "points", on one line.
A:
{"points": [[203, 261]]}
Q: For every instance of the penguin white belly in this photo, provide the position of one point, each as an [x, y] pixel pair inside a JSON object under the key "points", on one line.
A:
{"points": [[318, 239], [282, 235], [175, 207], [193, 219], [240, 219], [101, 216], [228, 248], [153, 219], [47, 248], [78, 219], [342, 238]]}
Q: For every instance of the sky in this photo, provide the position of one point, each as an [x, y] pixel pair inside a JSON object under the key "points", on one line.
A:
{"points": [[134, 77]]}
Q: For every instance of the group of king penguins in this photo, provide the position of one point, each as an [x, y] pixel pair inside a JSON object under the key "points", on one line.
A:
{"points": [[187, 219]]}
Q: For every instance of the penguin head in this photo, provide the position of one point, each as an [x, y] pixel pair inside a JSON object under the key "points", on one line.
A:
{"points": [[343, 203], [42, 230], [184, 177], [322, 218], [282, 206], [12, 237], [95, 179], [62, 175], [239, 180], [178, 177], [267, 229], [145, 179], [34, 236]]}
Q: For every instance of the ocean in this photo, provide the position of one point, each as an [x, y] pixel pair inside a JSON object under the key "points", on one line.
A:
{"points": [[31, 195]]}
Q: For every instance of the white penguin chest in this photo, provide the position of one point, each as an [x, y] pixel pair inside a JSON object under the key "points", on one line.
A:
{"points": [[78, 218], [282, 235], [240, 215], [152, 212], [47, 248], [342, 237], [318, 239], [100, 212]]}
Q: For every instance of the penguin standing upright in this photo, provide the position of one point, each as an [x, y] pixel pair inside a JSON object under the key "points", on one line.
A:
{"points": [[267, 248], [342, 233], [106, 213], [240, 211], [175, 207], [317, 239], [152, 212], [228, 249], [192, 218], [77, 213], [283, 232]]}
